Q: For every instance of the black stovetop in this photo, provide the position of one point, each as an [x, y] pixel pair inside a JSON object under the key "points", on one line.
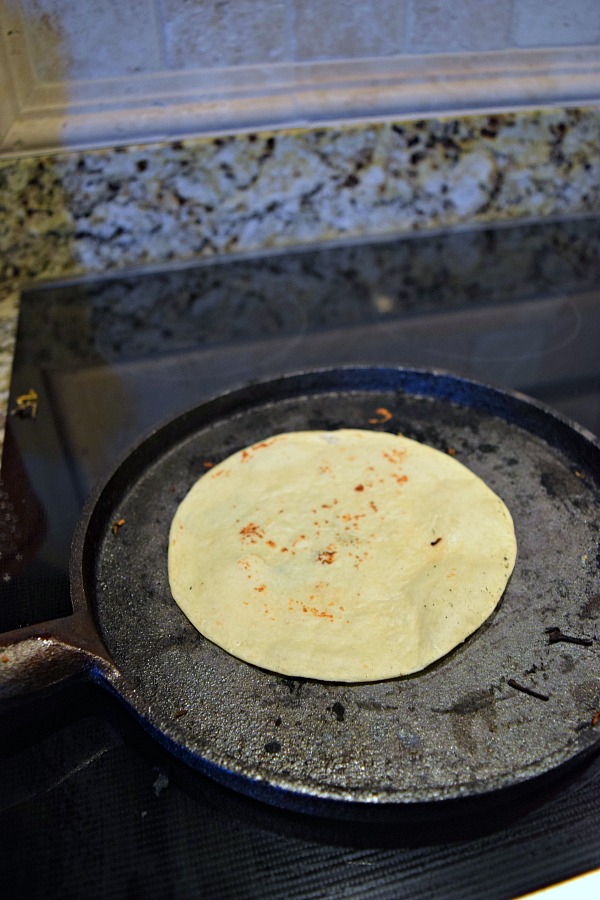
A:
{"points": [[91, 805]]}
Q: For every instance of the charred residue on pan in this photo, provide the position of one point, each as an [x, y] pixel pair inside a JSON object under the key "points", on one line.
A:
{"points": [[425, 434], [527, 689], [486, 448], [566, 663], [591, 607], [554, 485], [468, 713], [474, 701], [294, 685], [339, 711], [286, 694], [567, 485], [585, 694], [556, 636], [379, 706]]}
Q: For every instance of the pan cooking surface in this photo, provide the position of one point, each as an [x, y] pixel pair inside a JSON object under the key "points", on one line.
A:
{"points": [[462, 727]]}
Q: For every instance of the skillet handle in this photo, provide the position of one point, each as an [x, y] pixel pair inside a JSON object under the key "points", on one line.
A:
{"points": [[39, 657]]}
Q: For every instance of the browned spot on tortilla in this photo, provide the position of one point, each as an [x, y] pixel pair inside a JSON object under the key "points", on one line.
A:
{"points": [[319, 613], [252, 532], [328, 555]]}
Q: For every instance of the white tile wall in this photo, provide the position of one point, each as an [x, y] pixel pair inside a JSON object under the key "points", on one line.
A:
{"points": [[462, 25], [539, 23], [81, 40], [346, 29], [89, 72], [226, 33]]}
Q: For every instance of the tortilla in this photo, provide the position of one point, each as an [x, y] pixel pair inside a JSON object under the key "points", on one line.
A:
{"points": [[345, 555]]}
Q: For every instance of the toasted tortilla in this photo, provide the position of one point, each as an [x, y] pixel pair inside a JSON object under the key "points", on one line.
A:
{"points": [[347, 555]]}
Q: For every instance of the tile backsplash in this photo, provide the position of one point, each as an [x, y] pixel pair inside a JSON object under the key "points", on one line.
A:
{"points": [[149, 35], [81, 74]]}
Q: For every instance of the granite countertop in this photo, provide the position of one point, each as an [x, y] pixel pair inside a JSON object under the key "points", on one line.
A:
{"points": [[163, 205]]}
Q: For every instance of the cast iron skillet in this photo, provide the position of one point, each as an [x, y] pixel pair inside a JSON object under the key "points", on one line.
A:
{"points": [[463, 728]]}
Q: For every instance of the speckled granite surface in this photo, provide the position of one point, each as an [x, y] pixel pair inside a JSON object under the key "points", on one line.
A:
{"points": [[86, 212], [83, 212]]}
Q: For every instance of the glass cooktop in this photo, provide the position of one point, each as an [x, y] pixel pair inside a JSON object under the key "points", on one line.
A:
{"points": [[95, 807]]}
